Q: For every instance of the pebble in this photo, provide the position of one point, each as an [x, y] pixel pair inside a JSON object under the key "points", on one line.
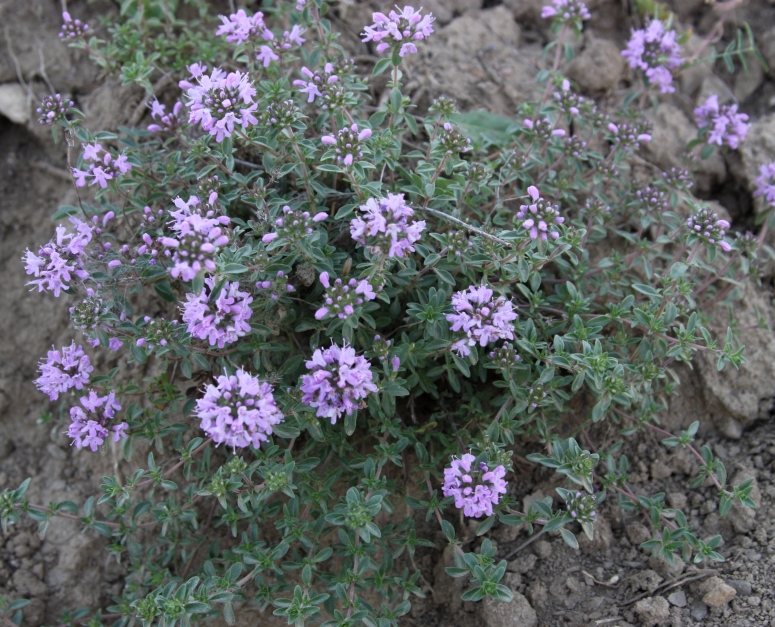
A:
{"points": [[652, 611], [678, 598], [543, 549], [719, 596], [699, 610], [742, 587]]}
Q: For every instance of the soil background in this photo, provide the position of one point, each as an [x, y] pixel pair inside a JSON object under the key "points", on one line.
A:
{"points": [[486, 54]]}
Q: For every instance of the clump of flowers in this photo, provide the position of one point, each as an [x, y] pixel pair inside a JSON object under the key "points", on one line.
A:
{"points": [[341, 298], [294, 224], [542, 129], [157, 332], [566, 11], [166, 121], [581, 506], [338, 380], [61, 259], [481, 317], [278, 286], [539, 217], [709, 228], [72, 28], [625, 135], [281, 114], [64, 369], [474, 487], [451, 140], [220, 101], [103, 167], [385, 228], [222, 321], [505, 357], [240, 27], [347, 143], [88, 427], [765, 182], [398, 30], [678, 178], [317, 84], [197, 239], [238, 411], [655, 51], [53, 109], [725, 124]]}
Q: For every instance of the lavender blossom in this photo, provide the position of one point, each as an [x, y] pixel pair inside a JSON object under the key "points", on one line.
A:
{"points": [[239, 411], [581, 506], [278, 286], [197, 239], [708, 228], [222, 321], [167, 121], [103, 167], [53, 109], [240, 27], [565, 11], [88, 426], [765, 182], [59, 260], [220, 101], [342, 298], [72, 29], [398, 30], [656, 52], [338, 380], [294, 225], [539, 216], [475, 488], [347, 143], [726, 125], [63, 369], [482, 318], [316, 83], [385, 226]]}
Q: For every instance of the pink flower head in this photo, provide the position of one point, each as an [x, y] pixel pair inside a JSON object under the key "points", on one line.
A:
{"points": [[706, 226], [222, 321], [62, 258], [398, 30], [341, 298], [765, 183], [347, 143], [385, 228], [220, 101], [240, 27], [574, 11], [88, 426], [64, 369], [294, 224], [474, 487], [656, 52], [539, 217], [238, 411], [724, 123], [338, 380], [482, 318], [72, 29]]}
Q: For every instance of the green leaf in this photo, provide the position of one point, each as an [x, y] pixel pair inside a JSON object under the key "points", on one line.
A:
{"points": [[65, 211], [569, 538], [381, 66]]}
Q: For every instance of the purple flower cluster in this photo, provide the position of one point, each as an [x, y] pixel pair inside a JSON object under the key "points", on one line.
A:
{"points": [[539, 217], [222, 321], [166, 121], [709, 228], [726, 125], [239, 411], [347, 143], [656, 52], [317, 84], [88, 426], [103, 167], [53, 109], [626, 135], [452, 140], [294, 224], [60, 259], [341, 298], [72, 29], [566, 11], [92, 315], [482, 318], [64, 369], [385, 226], [765, 183], [240, 27], [220, 100], [581, 506], [398, 30], [338, 380], [157, 332], [278, 286], [542, 129], [197, 239], [475, 488]]}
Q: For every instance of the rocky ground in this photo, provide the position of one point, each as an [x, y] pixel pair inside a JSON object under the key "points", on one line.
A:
{"points": [[486, 54]]}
